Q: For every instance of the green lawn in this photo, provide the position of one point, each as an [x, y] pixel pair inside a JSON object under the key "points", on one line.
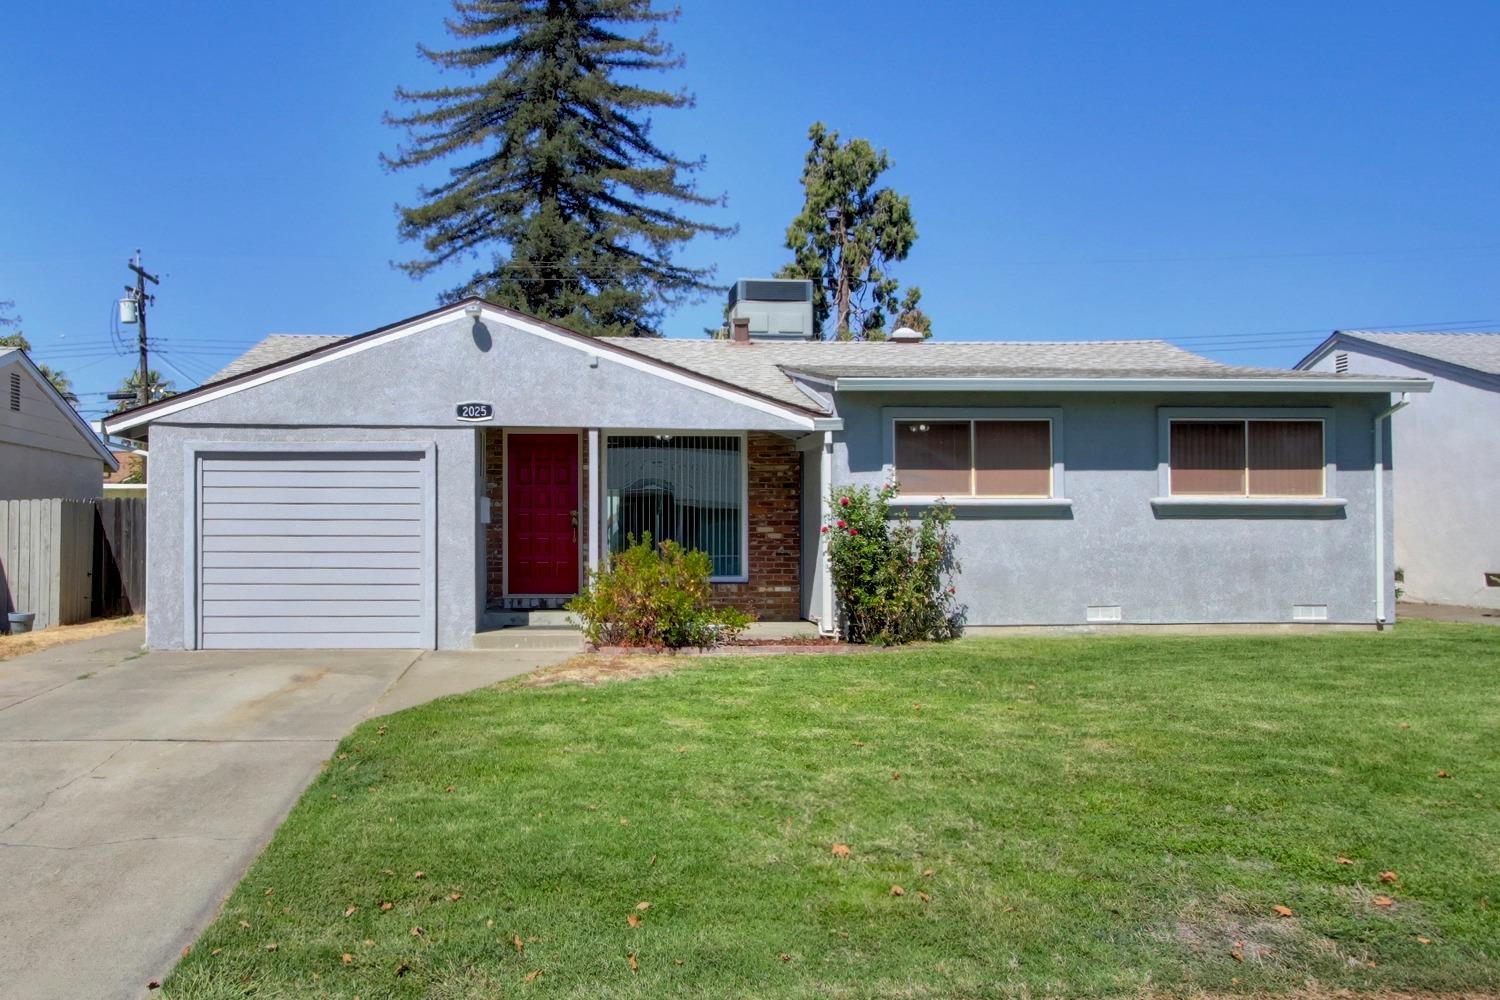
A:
{"points": [[1072, 816]]}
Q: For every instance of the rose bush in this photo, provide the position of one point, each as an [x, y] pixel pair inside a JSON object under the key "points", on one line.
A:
{"points": [[893, 578]]}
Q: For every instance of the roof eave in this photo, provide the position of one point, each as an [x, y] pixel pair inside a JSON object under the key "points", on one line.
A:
{"points": [[1085, 384]]}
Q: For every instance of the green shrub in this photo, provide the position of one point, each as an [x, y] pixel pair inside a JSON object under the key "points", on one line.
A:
{"points": [[655, 596], [892, 578]]}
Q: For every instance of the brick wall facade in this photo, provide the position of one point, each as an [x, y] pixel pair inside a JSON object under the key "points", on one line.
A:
{"points": [[774, 593], [775, 490]]}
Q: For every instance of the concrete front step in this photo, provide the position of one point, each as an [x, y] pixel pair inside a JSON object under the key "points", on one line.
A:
{"points": [[508, 618], [533, 637]]}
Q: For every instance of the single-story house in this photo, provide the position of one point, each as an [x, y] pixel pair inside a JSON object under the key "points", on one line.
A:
{"points": [[47, 451], [1448, 535], [404, 487]]}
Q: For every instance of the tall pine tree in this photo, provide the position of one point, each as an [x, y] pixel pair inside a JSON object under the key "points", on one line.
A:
{"points": [[554, 180]]}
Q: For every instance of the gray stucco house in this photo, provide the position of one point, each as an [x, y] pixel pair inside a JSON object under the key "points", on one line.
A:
{"points": [[1448, 535], [405, 486], [47, 451]]}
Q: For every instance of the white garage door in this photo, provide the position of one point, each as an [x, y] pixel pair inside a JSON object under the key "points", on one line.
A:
{"points": [[315, 550]]}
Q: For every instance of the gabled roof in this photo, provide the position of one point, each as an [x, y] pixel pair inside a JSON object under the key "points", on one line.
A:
{"points": [[272, 350], [1478, 352], [770, 372], [15, 356]]}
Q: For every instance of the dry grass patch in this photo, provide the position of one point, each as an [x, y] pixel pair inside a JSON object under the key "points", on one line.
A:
{"points": [[602, 668], [32, 642]]}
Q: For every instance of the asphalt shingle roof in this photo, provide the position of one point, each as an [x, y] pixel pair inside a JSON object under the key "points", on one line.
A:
{"points": [[763, 367], [1479, 351], [277, 347]]}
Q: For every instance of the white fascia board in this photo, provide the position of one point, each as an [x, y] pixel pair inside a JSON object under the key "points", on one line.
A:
{"points": [[802, 419], [1278, 385]]}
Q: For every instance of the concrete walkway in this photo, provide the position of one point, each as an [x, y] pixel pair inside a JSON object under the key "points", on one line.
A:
{"points": [[136, 789]]}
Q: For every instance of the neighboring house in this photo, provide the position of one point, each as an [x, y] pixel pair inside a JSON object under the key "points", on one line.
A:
{"points": [[402, 487], [46, 449], [129, 480], [1448, 532]]}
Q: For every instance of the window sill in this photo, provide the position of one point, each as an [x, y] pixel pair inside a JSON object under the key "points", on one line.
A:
{"points": [[996, 506], [1249, 506]]}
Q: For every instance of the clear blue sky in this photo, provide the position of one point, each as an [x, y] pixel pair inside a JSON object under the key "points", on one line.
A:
{"points": [[1199, 172]]}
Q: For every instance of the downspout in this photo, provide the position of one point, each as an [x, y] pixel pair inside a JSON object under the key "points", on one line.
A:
{"points": [[826, 624], [1380, 418]]}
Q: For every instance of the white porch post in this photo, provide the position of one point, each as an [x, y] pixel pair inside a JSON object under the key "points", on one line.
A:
{"points": [[826, 624], [596, 504]]}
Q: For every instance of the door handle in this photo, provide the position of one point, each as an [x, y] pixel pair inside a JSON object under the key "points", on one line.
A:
{"points": [[573, 516]]}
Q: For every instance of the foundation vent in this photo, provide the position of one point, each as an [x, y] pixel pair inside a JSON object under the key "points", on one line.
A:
{"points": [[1492, 579], [1103, 613], [1309, 612]]}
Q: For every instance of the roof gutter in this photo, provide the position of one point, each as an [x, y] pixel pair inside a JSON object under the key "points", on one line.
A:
{"points": [[1185, 384]]}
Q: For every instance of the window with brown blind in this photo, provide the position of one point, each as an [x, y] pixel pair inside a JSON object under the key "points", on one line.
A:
{"points": [[1247, 458], [974, 458]]}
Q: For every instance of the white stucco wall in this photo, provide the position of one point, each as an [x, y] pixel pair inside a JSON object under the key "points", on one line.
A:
{"points": [[1447, 451]]}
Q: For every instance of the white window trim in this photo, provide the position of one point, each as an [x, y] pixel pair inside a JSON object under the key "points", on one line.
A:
{"points": [[1166, 503], [744, 439], [892, 415]]}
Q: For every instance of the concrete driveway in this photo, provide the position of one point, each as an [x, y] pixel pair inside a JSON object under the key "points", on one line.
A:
{"points": [[136, 789]]}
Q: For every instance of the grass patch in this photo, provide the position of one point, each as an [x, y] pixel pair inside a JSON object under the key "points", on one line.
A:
{"points": [[1069, 816]]}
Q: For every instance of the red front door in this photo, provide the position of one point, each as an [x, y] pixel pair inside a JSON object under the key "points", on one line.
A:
{"points": [[541, 500]]}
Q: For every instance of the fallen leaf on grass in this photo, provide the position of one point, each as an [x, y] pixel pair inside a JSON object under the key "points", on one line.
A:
{"points": [[386, 906], [841, 850], [924, 897], [624, 821], [1283, 911], [349, 910], [928, 872], [419, 875], [417, 932], [1341, 860], [153, 985], [402, 968], [633, 920], [784, 957], [272, 946], [269, 891], [215, 951], [1238, 956], [895, 775], [634, 965], [643, 906], [244, 925], [520, 945], [1383, 901], [1422, 940], [530, 977], [1444, 774], [451, 788], [896, 890], [1387, 876], [454, 897], [346, 958]]}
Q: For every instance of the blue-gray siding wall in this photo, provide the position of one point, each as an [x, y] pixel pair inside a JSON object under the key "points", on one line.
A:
{"points": [[1447, 446], [1112, 548]]}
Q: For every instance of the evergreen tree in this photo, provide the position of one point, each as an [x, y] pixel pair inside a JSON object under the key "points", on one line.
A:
{"points": [[847, 235], [9, 320], [553, 178], [157, 387]]}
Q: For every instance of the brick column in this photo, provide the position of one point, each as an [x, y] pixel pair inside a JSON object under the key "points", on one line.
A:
{"points": [[774, 592]]}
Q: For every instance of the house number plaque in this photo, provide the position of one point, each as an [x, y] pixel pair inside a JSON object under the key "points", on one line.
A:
{"points": [[476, 412]]}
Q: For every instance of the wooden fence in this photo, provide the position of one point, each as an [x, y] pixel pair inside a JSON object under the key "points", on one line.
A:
{"points": [[71, 560]]}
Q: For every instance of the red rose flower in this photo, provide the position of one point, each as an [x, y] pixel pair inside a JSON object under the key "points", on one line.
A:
{"points": [[853, 532], [843, 501], [825, 529], [842, 523]]}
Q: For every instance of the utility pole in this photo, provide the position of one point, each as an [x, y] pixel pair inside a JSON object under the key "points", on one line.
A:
{"points": [[142, 389]]}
